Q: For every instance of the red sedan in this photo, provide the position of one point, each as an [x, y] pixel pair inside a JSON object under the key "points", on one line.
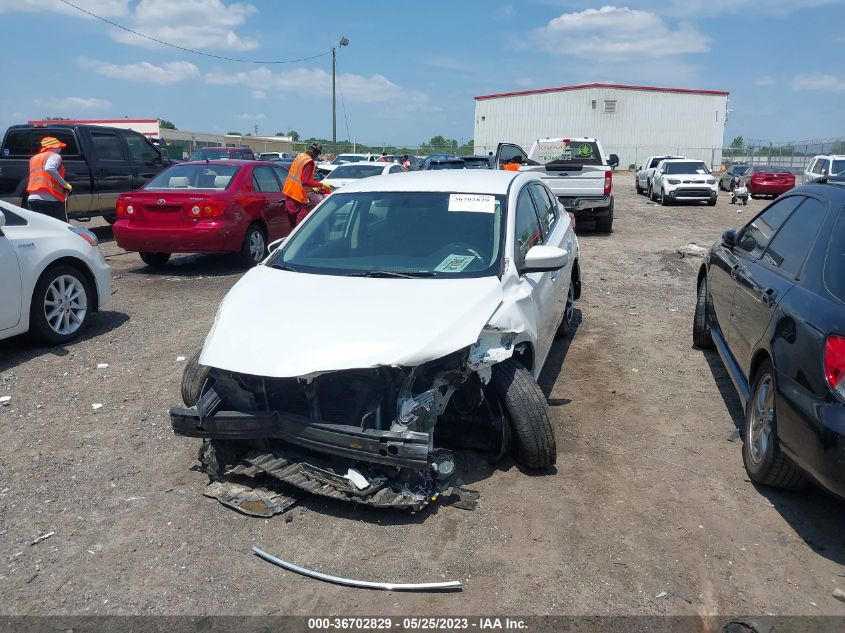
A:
{"points": [[767, 180], [218, 206]]}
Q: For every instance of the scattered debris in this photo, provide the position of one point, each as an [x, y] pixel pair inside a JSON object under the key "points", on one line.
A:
{"points": [[839, 594], [693, 250], [462, 498], [43, 537], [96, 406], [662, 594], [357, 478], [451, 585], [31, 578], [733, 437], [288, 517], [257, 502], [4, 400], [134, 498], [179, 359], [746, 626], [102, 365]]}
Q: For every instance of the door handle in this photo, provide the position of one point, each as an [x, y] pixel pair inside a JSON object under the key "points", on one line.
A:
{"points": [[554, 276], [768, 296]]}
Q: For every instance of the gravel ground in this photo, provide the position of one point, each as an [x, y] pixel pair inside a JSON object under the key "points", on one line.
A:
{"points": [[649, 495]]}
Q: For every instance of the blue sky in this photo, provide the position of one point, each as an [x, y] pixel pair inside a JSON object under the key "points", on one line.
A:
{"points": [[412, 68]]}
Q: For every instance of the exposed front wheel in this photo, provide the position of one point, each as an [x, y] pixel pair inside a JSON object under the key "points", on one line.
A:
{"points": [[61, 303], [664, 200], [711, 202], [528, 412], [193, 379], [761, 454]]}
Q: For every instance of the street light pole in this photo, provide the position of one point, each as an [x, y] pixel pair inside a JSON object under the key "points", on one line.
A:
{"points": [[343, 42]]}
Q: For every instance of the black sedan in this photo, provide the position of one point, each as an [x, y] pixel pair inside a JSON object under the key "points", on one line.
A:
{"points": [[771, 300], [731, 176]]}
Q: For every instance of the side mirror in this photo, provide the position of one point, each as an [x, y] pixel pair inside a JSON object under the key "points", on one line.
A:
{"points": [[276, 244], [729, 238], [544, 258], [2, 220], [613, 160], [640, 168], [824, 172]]}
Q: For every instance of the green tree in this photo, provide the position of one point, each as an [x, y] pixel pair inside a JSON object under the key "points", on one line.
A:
{"points": [[234, 133], [738, 142], [164, 124]]}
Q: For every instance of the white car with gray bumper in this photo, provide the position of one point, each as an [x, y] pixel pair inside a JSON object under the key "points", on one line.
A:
{"points": [[52, 276], [683, 180]]}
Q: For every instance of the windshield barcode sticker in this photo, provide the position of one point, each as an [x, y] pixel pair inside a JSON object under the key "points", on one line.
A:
{"points": [[471, 203], [454, 263]]}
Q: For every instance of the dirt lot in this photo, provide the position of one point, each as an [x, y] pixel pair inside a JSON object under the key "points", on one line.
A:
{"points": [[649, 495]]}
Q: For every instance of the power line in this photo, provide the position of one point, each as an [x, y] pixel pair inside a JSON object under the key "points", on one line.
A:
{"points": [[190, 50]]}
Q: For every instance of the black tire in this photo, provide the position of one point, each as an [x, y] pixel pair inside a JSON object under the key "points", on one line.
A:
{"points": [[772, 467], [605, 224], [567, 326], [664, 201], [701, 335], [39, 326], [111, 218], [650, 193], [248, 254], [155, 260], [528, 412], [193, 379], [637, 186], [712, 202]]}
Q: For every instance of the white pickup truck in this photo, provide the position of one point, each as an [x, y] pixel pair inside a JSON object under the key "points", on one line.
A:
{"points": [[645, 172], [577, 170]]}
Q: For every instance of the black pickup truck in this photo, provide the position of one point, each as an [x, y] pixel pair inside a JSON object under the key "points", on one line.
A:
{"points": [[100, 163]]}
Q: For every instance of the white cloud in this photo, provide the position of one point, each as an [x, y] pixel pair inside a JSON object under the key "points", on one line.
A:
{"points": [[764, 81], [250, 116], [104, 8], [144, 72], [258, 95], [71, 104], [202, 24], [355, 88], [827, 83], [617, 34]]}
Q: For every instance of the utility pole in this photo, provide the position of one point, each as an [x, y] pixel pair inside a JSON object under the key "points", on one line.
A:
{"points": [[343, 42]]}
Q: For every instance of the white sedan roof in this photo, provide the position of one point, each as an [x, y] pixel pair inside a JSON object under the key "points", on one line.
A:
{"points": [[452, 180]]}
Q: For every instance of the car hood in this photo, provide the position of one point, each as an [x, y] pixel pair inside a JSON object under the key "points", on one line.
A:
{"points": [[283, 324]]}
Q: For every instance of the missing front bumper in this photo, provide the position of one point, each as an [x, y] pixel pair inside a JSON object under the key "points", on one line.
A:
{"points": [[402, 449]]}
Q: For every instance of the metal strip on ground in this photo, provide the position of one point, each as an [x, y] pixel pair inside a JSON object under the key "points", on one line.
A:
{"points": [[451, 585]]}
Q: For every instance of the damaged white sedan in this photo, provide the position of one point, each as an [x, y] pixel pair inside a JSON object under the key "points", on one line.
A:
{"points": [[404, 320]]}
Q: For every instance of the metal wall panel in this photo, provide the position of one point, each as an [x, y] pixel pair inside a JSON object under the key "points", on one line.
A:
{"points": [[644, 122]]}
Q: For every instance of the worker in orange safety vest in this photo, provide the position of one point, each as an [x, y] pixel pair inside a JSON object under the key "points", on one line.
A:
{"points": [[47, 189], [300, 179]]}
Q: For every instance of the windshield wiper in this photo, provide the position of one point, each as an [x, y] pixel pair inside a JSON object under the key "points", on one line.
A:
{"points": [[391, 274]]}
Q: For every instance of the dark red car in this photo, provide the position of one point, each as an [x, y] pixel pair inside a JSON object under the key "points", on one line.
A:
{"points": [[221, 206], [767, 180]]}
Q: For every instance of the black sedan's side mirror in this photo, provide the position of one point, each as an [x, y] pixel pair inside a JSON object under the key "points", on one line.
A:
{"points": [[729, 238]]}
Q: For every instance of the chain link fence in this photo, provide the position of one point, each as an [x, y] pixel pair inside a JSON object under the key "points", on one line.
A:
{"points": [[793, 155]]}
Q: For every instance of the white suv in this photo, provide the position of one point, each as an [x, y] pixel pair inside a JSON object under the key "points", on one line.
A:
{"points": [[682, 180], [830, 165]]}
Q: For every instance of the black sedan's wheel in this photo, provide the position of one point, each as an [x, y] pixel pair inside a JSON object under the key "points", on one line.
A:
{"points": [[155, 260], [765, 462], [254, 248], [701, 335], [61, 303], [528, 412]]}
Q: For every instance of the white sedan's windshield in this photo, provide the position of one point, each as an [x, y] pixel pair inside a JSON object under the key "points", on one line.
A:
{"points": [[358, 171], [342, 159], [398, 234]]}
